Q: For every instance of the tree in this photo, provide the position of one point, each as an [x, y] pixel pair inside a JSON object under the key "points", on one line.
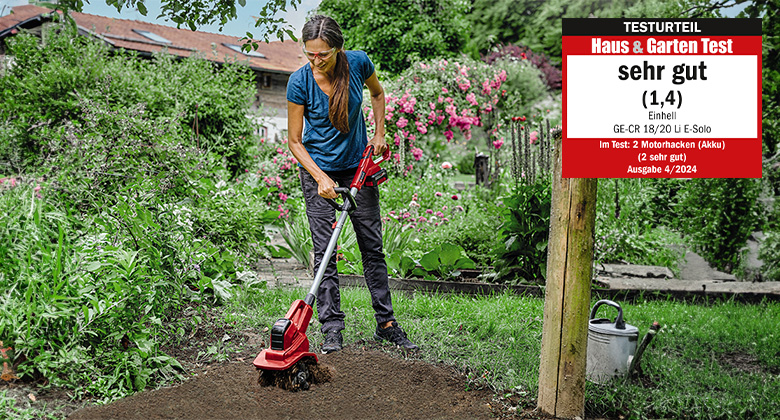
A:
{"points": [[194, 13], [400, 32], [500, 22]]}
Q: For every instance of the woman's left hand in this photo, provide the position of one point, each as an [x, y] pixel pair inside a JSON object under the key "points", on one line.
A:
{"points": [[379, 145]]}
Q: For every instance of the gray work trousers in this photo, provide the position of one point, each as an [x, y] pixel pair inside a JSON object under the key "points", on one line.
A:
{"points": [[367, 223]]}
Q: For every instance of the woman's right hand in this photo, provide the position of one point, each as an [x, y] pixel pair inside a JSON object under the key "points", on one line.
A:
{"points": [[325, 187]]}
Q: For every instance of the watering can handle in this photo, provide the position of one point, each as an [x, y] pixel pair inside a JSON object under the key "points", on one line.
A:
{"points": [[619, 323]]}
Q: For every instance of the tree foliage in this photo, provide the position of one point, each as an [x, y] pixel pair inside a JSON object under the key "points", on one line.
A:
{"points": [[195, 13], [398, 33], [767, 10]]}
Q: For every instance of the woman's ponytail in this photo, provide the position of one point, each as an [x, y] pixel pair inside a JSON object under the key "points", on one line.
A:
{"points": [[338, 104]]}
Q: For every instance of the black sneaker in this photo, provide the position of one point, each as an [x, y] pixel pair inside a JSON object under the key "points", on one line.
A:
{"points": [[333, 342], [395, 335]]}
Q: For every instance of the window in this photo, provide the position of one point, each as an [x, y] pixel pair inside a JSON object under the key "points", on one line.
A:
{"points": [[250, 53], [151, 35], [266, 80]]}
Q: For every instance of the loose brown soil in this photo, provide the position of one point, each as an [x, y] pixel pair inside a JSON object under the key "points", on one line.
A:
{"points": [[366, 383]]}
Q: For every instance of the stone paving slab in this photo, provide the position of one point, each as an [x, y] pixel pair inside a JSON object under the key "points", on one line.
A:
{"points": [[770, 288], [289, 273]]}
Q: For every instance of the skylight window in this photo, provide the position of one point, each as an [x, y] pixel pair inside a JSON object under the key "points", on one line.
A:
{"points": [[250, 53], [151, 35]]}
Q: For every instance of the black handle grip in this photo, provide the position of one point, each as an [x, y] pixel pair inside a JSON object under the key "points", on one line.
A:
{"points": [[349, 200], [619, 323]]}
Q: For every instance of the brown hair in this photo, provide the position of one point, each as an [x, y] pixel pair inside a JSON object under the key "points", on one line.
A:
{"points": [[326, 29]]}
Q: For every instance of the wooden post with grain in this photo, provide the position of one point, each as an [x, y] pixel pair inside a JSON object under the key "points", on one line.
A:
{"points": [[567, 298]]}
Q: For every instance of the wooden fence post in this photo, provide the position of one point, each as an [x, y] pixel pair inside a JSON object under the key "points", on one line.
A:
{"points": [[567, 297]]}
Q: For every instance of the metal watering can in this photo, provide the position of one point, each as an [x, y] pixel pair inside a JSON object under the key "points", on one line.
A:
{"points": [[611, 345]]}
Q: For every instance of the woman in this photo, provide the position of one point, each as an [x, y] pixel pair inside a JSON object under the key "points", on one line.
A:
{"points": [[327, 94]]}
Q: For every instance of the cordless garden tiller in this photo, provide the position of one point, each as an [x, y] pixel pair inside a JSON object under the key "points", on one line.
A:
{"points": [[288, 362]]}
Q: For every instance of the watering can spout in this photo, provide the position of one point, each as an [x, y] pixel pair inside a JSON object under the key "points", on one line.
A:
{"points": [[634, 360]]}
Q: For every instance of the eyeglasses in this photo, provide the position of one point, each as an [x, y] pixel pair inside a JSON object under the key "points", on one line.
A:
{"points": [[323, 55]]}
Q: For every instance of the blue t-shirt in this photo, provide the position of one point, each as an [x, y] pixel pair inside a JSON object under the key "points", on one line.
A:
{"points": [[331, 149]]}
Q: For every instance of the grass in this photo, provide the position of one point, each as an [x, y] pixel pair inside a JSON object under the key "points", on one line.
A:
{"points": [[710, 360]]}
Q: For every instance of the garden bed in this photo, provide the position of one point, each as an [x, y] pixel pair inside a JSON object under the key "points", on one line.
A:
{"points": [[366, 383]]}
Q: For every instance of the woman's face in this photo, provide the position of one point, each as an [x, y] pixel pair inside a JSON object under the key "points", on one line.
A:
{"points": [[320, 54]]}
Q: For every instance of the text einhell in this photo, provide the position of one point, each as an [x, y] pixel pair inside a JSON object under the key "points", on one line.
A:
{"points": [[662, 46]]}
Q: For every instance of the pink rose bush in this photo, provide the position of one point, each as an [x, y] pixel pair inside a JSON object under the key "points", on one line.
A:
{"points": [[438, 101]]}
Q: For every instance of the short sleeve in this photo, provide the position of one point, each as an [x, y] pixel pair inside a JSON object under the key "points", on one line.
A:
{"points": [[295, 89], [367, 67]]}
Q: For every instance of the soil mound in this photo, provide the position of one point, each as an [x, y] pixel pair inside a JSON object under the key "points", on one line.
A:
{"points": [[366, 383]]}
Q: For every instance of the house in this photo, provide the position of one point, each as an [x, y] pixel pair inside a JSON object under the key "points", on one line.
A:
{"points": [[272, 62]]}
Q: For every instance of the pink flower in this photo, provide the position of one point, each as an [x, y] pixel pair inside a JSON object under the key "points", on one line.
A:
{"points": [[451, 110], [417, 153], [422, 219], [446, 165], [444, 90], [438, 194], [421, 127], [486, 87], [283, 197], [472, 98], [439, 214], [498, 143], [448, 134], [455, 197], [402, 122], [533, 137], [464, 85], [429, 211]]}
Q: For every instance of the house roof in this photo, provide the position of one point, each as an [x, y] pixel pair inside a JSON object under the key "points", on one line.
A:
{"points": [[282, 57]]}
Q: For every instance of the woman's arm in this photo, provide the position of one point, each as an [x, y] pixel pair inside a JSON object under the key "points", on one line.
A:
{"points": [[378, 106], [295, 144]]}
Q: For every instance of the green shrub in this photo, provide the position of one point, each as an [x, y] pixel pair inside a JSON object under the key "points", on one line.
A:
{"points": [[525, 234], [632, 220], [202, 105], [466, 164], [719, 215]]}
